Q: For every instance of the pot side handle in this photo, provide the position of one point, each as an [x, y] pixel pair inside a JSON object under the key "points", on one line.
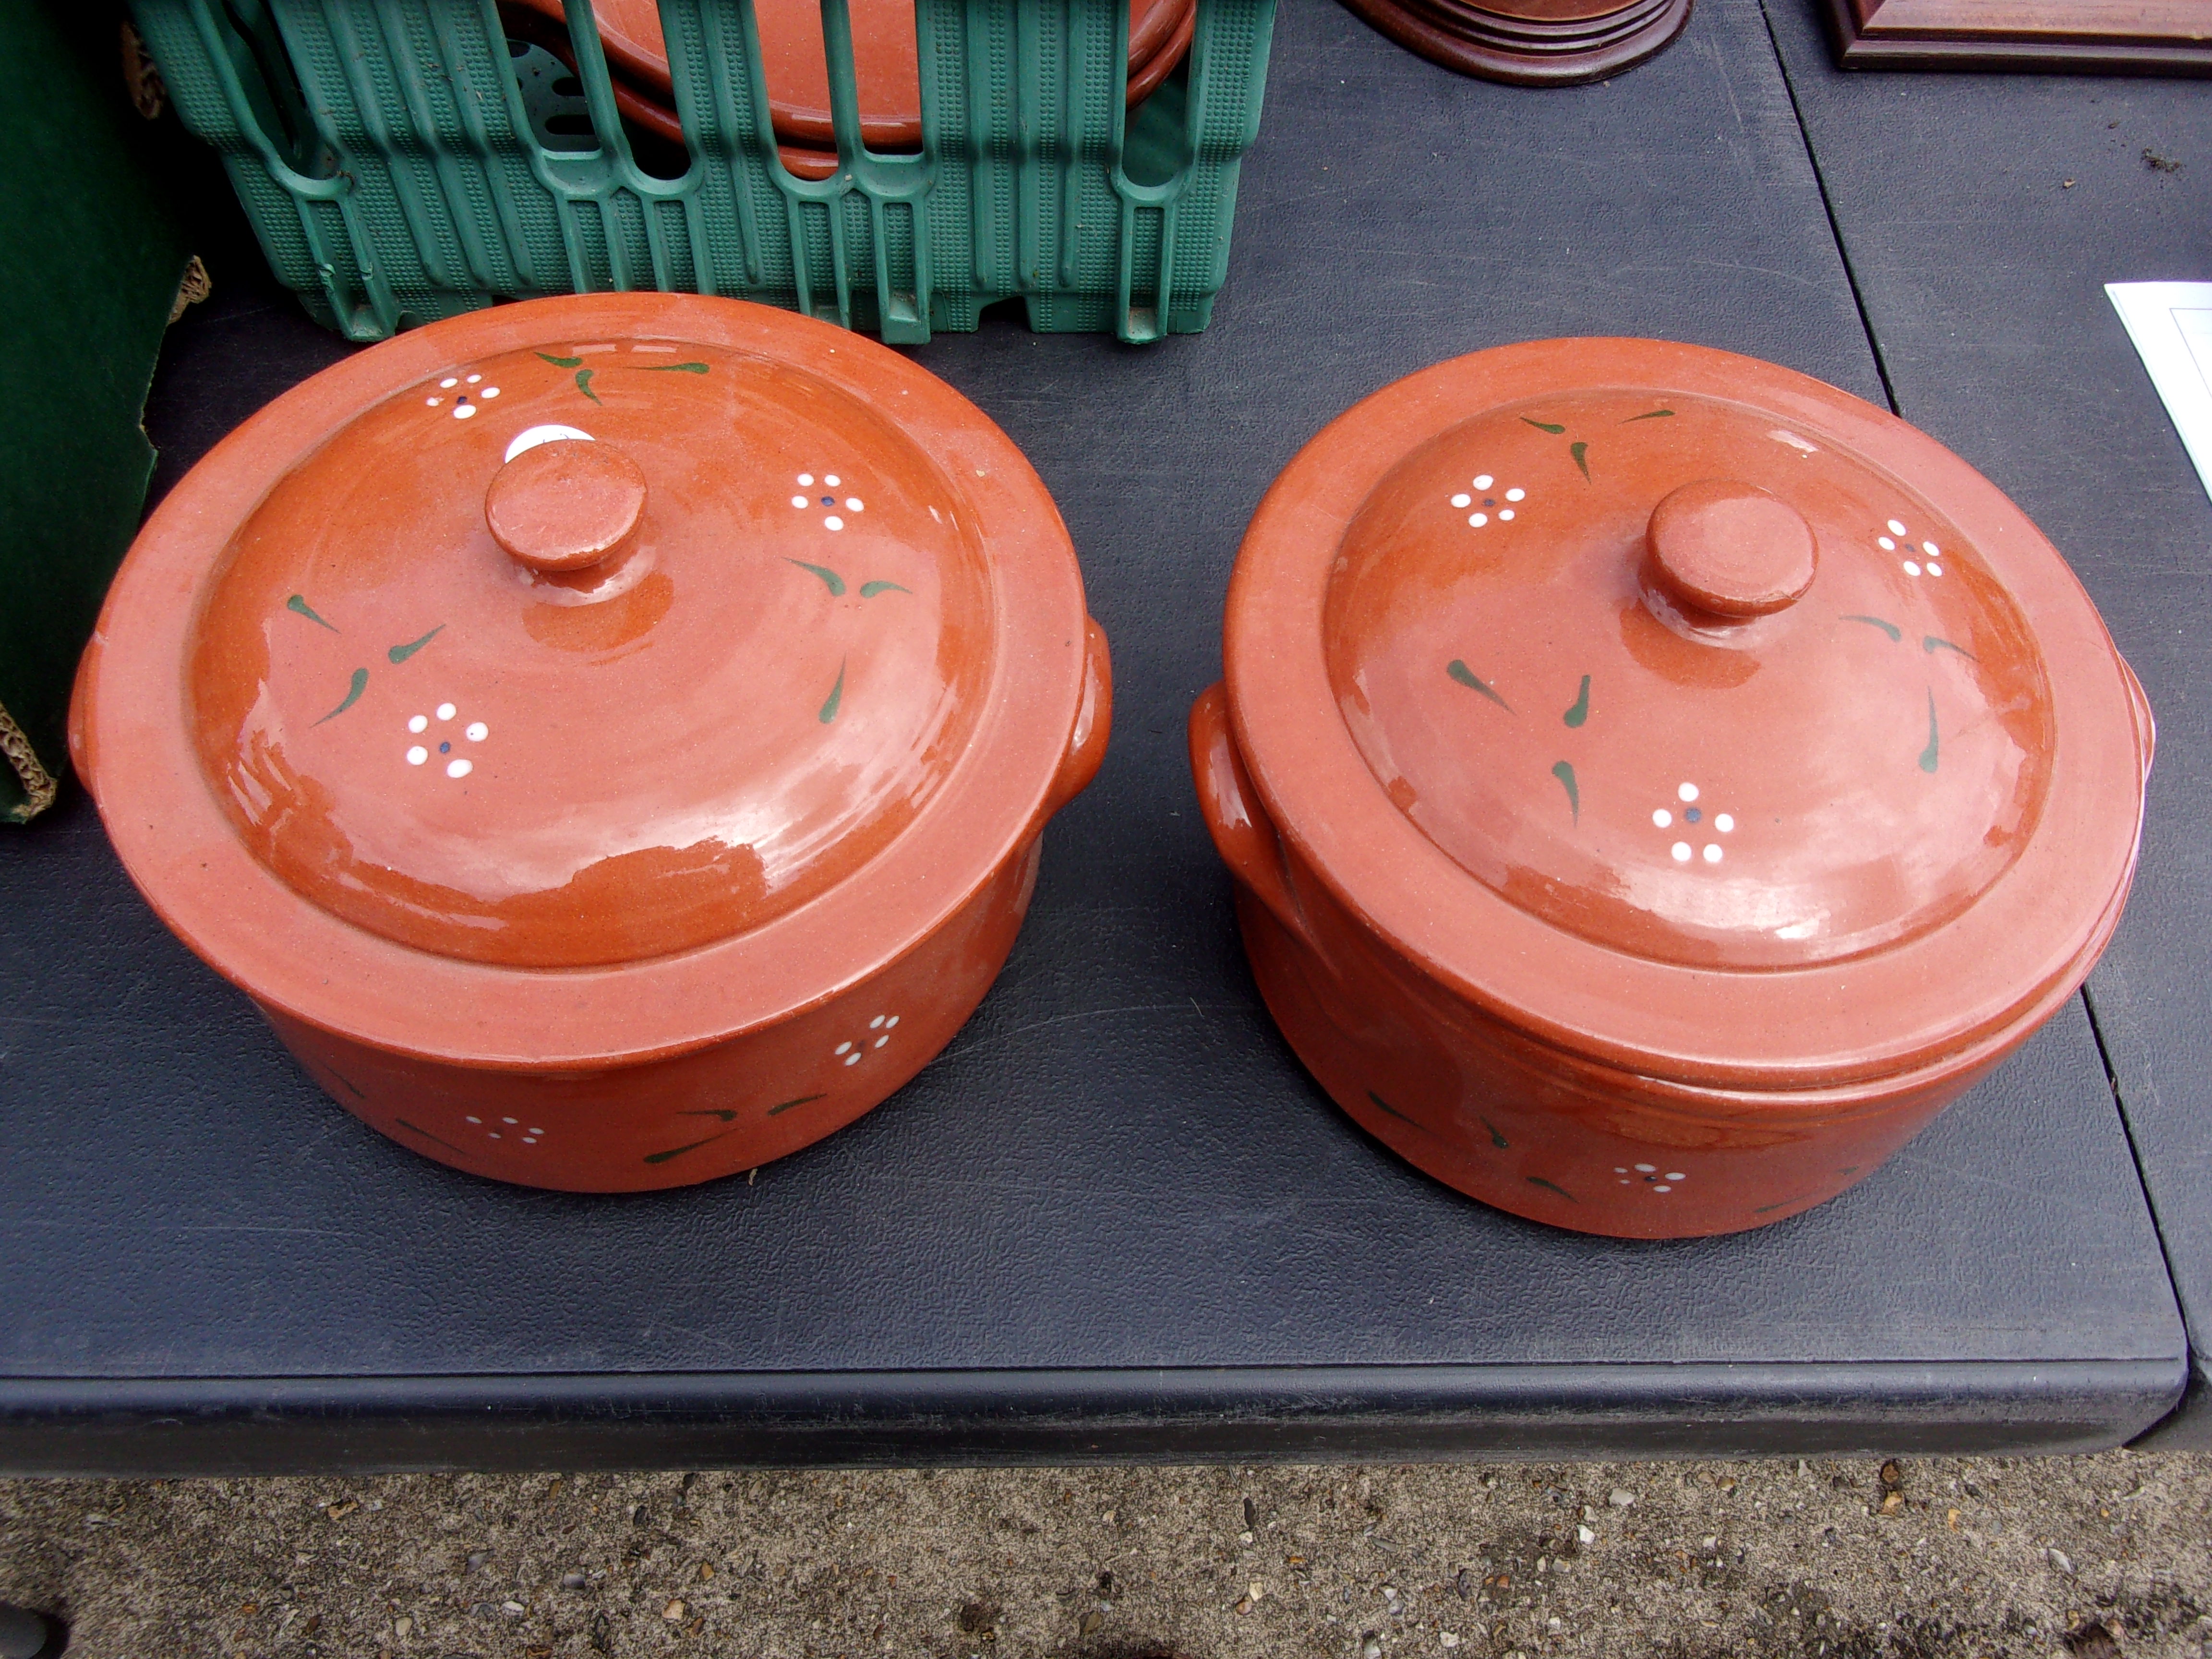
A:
{"points": [[1242, 832], [1094, 723]]}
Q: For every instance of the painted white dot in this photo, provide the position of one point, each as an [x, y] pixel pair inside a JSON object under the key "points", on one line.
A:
{"points": [[876, 1024], [449, 382], [433, 402], [459, 769], [529, 1140], [798, 501], [464, 412], [892, 1021], [1503, 513], [495, 1134], [806, 480], [1885, 544], [1681, 851], [1724, 823], [536, 1131], [1688, 792], [1910, 568], [418, 755], [478, 732], [488, 391], [473, 379], [418, 723], [1477, 520], [1895, 528], [1662, 1188], [1647, 1168], [833, 522], [1662, 817], [852, 503], [840, 1049], [881, 1041], [1626, 1181], [1463, 501], [853, 1060], [510, 1119], [1934, 570], [1931, 549], [1516, 495], [1482, 481], [831, 479], [1620, 1168], [445, 711], [475, 1119], [1677, 1174], [1712, 851]]}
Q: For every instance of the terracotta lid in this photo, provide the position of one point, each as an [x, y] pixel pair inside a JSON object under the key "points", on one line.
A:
{"points": [[885, 59], [1691, 711], [609, 635]]}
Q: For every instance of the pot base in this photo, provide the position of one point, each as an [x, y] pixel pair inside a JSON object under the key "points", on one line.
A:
{"points": [[1474, 1112], [700, 1116]]}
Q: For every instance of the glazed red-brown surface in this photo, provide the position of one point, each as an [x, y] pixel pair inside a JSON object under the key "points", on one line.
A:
{"points": [[767, 761], [886, 56], [1643, 747]]}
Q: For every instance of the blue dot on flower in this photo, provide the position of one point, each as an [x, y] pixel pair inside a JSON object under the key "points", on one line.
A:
{"points": [[445, 749], [1694, 814]]}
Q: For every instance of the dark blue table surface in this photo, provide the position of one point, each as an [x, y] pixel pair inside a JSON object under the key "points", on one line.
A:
{"points": [[1116, 1218]]}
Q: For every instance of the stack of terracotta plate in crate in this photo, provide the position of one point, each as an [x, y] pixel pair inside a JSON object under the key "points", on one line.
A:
{"points": [[885, 63], [1531, 42]]}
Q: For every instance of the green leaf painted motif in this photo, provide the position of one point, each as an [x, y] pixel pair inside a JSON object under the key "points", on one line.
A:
{"points": [[679, 1151], [1648, 415], [562, 362], [1496, 1139], [352, 696], [830, 579], [672, 368], [1888, 627], [1580, 712], [400, 653], [584, 384], [1465, 676], [1931, 645], [298, 606], [836, 696], [1389, 1107], [1928, 756], [1581, 453], [869, 590], [1566, 774], [786, 1105], [723, 1113], [1543, 426], [1553, 1187]]}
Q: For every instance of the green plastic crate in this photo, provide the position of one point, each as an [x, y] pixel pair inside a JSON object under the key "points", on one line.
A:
{"points": [[386, 155]]}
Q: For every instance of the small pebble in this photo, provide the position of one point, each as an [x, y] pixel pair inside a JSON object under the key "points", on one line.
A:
{"points": [[1622, 1499], [477, 1558], [1449, 1638], [1584, 1535], [513, 1609], [573, 1581], [1371, 1649], [2058, 1559], [1091, 1622], [673, 1611], [400, 1627]]}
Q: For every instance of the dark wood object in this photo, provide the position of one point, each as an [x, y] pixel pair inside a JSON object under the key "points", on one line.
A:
{"points": [[2101, 37], [1536, 43]]}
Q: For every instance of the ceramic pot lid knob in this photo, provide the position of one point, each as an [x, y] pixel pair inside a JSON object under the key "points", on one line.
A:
{"points": [[565, 505], [1729, 551]]}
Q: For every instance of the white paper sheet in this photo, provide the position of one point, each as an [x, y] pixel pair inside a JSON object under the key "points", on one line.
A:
{"points": [[2170, 324]]}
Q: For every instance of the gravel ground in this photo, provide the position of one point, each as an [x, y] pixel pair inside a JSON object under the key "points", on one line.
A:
{"points": [[1974, 1559]]}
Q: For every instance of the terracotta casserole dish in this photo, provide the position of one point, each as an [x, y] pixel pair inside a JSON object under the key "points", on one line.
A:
{"points": [[1658, 783], [608, 737]]}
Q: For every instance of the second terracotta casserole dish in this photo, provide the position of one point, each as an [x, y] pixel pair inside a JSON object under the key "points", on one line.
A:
{"points": [[1658, 783]]}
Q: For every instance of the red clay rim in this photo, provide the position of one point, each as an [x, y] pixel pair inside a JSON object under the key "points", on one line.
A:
{"points": [[180, 846], [2014, 955]]}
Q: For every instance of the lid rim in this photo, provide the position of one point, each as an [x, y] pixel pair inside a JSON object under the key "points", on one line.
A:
{"points": [[183, 852], [1754, 1024]]}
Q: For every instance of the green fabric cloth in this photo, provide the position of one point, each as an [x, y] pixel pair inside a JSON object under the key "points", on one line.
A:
{"points": [[91, 253]]}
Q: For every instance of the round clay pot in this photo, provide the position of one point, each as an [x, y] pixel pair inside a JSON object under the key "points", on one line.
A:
{"points": [[1658, 783], [608, 736], [885, 63], [1530, 42]]}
